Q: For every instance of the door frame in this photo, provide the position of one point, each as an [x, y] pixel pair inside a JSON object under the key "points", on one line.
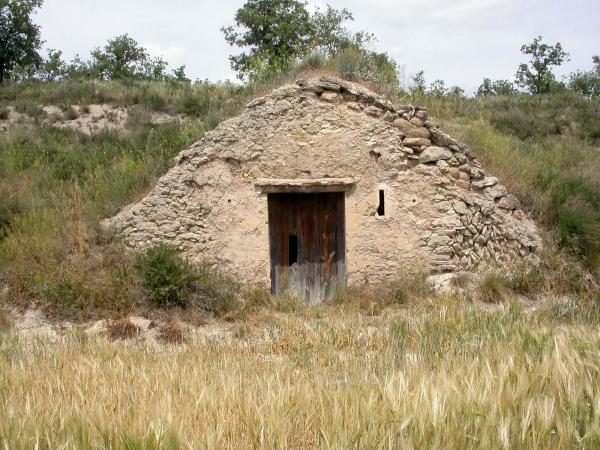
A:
{"points": [[310, 186]]}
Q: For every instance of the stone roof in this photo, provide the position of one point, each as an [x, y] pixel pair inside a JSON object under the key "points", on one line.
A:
{"points": [[422, 139], [476, 219]]}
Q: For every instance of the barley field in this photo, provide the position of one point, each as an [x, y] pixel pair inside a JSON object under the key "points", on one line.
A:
{"points": [[440, 374]]}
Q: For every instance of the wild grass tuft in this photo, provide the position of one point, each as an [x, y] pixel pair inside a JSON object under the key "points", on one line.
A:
{"points": [[373, 298], [173, 332], [70, 113], [122, 329], [30, 108], [6, 322], [493, 288]]}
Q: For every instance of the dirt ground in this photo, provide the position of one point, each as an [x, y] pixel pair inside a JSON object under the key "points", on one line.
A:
{"points": [[89, 119]]}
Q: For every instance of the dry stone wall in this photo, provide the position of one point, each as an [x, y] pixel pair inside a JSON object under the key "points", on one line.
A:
{"points": [[443, 210]]}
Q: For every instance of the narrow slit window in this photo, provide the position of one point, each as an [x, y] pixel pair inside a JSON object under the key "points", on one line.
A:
{"points": [[292, 250], [381, 207]]}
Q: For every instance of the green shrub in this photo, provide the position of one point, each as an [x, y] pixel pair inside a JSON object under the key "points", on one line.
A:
{"points": [[195, 103], [30, 108], [168, 279], [576, 210], [4, 112], [526, 279]]}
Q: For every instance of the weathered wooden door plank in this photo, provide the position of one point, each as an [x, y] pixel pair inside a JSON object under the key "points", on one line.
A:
{"points": [[315, 223]]}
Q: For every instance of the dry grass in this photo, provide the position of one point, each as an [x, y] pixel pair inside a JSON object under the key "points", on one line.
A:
{"points": [[122, 329], [445, 376], [5, 321], [493, 288], [173, 332], [461, 280]]}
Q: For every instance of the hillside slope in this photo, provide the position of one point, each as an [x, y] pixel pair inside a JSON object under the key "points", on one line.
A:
{"points": [[57, 183]]}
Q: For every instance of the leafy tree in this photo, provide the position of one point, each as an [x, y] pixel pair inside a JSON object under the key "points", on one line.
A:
{"points": [[52, 67], [19, 36], [274, 30], [281, 32], [486, 88], [498, 87], [537, 76], [438, 88], [330, 36], [79, 69], [587, 83], [456, 91], [125, 58], [179, 74], [418, 83]]}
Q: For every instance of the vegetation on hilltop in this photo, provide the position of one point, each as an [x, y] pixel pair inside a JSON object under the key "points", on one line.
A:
{"points": [[57, 184]]}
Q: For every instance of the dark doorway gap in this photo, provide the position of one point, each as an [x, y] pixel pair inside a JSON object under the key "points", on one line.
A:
{"points": [[381, 207], [292, 250]]}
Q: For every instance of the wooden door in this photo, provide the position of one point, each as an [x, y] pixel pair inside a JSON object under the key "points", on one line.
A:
{"points": [[307, 243]]}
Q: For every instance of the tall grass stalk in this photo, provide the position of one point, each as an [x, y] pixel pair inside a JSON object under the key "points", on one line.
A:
{"points": [[447, 377]]}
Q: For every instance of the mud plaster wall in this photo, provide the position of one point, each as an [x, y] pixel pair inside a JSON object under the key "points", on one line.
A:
{"points": [[441, 210]]}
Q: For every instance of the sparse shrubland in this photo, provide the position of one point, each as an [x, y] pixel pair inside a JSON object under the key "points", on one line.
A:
{"points": [[56, 184]]}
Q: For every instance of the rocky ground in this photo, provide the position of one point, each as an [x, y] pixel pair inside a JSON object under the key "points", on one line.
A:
{"points": [[32, 324], [88, 119]]}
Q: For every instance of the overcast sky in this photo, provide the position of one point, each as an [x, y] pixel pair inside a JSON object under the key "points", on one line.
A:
{"points": [[459, 41]]}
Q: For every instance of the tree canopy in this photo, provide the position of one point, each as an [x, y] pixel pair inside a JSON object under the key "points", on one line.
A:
{"points": [[498, 87], [537, 76], [277, 32], [121, 58], [274, 30], [587, 83], [19, 36], [124, 58]]}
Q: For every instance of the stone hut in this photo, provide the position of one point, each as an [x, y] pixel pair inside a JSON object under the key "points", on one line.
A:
{"points": [[322, 183]]}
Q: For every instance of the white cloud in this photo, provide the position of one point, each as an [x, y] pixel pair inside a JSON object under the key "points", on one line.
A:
{"points": [[174, 54], [473, 11]]}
